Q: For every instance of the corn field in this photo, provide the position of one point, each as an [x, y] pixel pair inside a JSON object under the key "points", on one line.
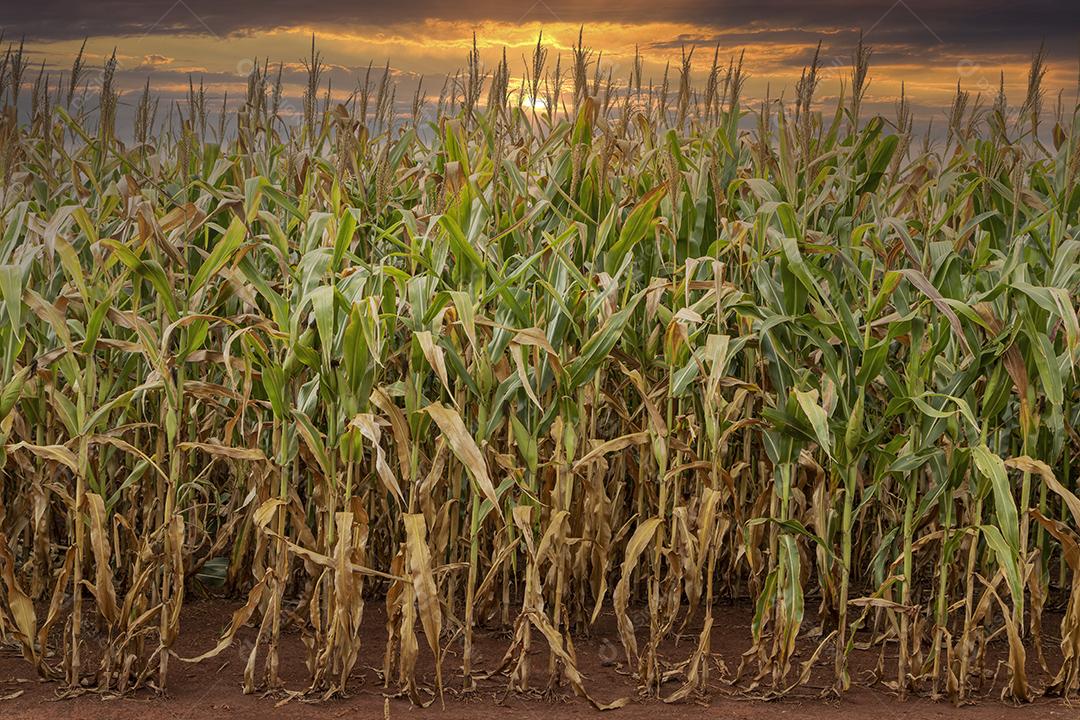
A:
{"points": [[542, 350]]}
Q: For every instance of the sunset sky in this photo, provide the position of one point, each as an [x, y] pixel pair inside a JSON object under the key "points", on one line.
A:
{"points": [[929, 45]]}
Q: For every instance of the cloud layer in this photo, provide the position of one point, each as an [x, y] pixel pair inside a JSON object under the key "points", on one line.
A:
{"points": [[921, 48], [915, 26]]}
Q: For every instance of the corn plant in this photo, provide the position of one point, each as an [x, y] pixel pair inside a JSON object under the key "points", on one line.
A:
{"points": [[503, 368]]}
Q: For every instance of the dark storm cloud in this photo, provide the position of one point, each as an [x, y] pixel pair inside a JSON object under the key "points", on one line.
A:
{"points": [[970, 26]]}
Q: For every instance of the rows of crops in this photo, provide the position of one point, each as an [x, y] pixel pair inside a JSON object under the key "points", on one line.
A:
{"points": [[499, 363]]}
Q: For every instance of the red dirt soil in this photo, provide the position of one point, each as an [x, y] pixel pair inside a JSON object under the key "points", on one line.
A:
{"points": [[213, 689]]}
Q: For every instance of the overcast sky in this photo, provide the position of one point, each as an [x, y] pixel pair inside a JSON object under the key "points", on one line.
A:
{"points": [[974, 26], [927, 45]]}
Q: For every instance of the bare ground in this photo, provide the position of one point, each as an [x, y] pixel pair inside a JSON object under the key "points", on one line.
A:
{"points": [[213, 689]]}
